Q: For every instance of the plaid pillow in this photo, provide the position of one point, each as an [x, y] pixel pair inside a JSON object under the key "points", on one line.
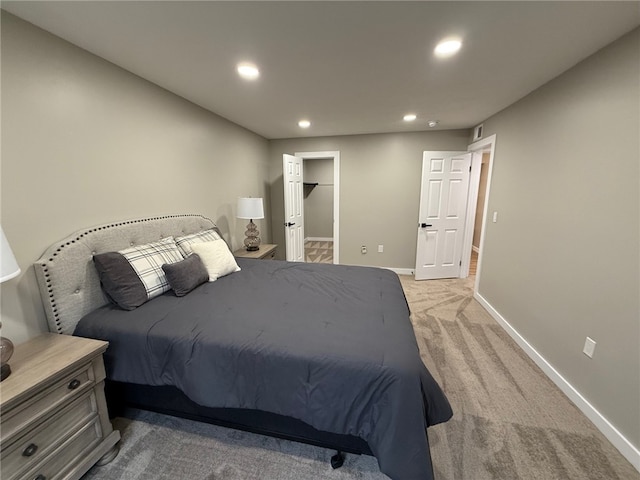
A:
{"points": [[147, 261], [185, 243]]}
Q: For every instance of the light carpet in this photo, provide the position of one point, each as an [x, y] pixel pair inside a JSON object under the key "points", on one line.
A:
{"points": [[510, 421]]}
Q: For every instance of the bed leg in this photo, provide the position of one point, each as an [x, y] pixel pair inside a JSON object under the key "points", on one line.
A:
{"points": [[337, 460]]}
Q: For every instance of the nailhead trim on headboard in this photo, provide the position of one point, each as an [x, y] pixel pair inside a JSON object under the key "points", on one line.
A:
{"points": [[62, 318]]}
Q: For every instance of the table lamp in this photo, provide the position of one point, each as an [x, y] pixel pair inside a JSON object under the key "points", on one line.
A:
{"points": [[8, 269], [250, 208]]}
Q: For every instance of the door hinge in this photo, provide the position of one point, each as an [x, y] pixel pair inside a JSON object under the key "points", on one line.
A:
{"points": [[460, 262], [469, 167]]}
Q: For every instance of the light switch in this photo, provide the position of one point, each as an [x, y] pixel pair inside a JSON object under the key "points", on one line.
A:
{"points": [[589, 347], [495, 217]]}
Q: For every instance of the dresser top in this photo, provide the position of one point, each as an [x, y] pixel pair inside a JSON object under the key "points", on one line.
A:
{"points": [[43, 360]]}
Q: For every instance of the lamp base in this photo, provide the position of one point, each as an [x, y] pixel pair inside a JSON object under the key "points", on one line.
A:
{"points": [[6, 350], [252, 240], [5, 371]]}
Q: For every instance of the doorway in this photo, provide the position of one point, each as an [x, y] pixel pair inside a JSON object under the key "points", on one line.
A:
{"points": [[484, 151], [480, 151], [321, 201], [477, 226]]}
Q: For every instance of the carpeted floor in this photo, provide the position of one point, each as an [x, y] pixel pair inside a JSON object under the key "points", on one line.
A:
{"points": [[510, 422]]}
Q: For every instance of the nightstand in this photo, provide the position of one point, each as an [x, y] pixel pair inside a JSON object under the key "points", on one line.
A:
{"points": [[267, 251], [54, 423]]}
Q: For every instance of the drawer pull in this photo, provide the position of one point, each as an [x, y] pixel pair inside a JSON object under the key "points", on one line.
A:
{"points": [[40, 477], [30, 450], [73, 384]]}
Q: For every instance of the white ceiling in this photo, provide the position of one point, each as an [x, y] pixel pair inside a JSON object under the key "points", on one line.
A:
{"points": [[349, 67]]}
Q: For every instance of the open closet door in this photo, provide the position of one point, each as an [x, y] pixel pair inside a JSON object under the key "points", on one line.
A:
{"points": [[293, 208]]}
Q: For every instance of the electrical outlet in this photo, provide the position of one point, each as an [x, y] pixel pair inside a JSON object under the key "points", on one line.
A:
{"points": [[589, 347], [380, 248], [363, 249]]}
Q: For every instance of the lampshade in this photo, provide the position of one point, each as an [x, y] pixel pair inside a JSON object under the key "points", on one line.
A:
{"points": [[250, 208], [8, 266]]}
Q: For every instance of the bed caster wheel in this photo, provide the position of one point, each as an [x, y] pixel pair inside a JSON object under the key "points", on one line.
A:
{"points": [[337, 460]]}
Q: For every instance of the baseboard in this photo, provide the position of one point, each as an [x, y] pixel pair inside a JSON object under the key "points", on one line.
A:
{"points": [[401, 271], [318, 239], [628, 450]]}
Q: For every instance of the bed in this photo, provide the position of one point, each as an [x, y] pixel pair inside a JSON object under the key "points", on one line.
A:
{"points": [[323, 354]]}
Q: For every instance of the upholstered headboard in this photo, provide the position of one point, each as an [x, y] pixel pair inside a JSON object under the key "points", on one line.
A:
{"points": [[68, 281]]}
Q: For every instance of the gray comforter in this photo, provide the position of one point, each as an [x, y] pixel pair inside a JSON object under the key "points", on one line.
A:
{"points": [[329, 345]]}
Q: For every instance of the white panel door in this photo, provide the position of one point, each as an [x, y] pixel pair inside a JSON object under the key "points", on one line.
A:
{"points": [[293, 208], [443, 207]]}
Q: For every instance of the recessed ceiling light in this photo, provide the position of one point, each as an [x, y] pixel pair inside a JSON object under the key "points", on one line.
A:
{"points": [[304, 123], [447, 48], [248, 71], [409, 117], [432, 123]]}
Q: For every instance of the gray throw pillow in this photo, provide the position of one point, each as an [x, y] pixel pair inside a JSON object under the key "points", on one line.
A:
{"points": [[119, 280], [186, 275]]}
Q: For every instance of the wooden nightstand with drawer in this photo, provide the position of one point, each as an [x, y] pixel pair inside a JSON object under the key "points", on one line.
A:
{"points": [[267, 251], [54, 423]]}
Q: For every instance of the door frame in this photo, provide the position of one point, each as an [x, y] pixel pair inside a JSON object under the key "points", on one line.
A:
{"points": [[335, 156], [477, 148], [472, 203]]}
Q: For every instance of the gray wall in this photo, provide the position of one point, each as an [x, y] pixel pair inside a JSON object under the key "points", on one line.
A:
{"points": [[379, 190], [563, 260], [85, 142], [318, 200]]}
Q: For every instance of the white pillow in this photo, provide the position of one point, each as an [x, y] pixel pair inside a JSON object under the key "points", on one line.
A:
{"points": [[217, 258]]}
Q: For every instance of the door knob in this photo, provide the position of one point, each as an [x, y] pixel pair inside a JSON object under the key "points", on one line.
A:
{"points": [[30, 450], [425, 225], [289, 224], [73, 384]]}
